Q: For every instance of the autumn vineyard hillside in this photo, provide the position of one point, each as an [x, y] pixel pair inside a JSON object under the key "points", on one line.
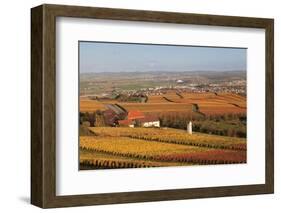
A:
{"points": [[143, 147], [219, 137]]}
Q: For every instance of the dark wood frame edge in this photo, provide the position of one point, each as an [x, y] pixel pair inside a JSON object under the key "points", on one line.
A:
{"points": [[43, 107]]}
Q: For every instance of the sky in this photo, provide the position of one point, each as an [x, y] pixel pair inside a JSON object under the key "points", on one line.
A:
{"points": [[97, 57]]}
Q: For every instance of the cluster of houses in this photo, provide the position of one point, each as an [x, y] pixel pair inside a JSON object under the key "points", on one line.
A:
{"points": [[134, 118]]}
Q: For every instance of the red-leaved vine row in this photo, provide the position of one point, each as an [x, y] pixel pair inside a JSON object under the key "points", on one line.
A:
{"points": [[207, 157]]}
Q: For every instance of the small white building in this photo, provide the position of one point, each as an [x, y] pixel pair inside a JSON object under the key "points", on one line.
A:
{"points": [[149, 121], [151, 124], [140, 121], [180, 81]]}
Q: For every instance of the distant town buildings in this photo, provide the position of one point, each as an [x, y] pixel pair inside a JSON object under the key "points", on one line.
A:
{"points": [[234, 86]]}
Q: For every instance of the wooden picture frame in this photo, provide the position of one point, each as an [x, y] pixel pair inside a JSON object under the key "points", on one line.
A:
{"points": [[43, 105]]}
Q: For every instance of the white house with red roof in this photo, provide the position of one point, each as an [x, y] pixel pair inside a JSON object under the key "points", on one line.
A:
{"points": [[149, 121], [137, 118]]}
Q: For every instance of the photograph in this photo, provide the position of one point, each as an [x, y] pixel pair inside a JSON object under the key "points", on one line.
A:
{"points": [[140, 105], [151, 105]]}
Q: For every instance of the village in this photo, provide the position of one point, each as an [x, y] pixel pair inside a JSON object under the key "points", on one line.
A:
{"points": [[141, 85], [180, 86]]}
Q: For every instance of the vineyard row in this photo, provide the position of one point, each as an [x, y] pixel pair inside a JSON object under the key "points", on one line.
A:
{"points": [[183, 159], [238, 147]]}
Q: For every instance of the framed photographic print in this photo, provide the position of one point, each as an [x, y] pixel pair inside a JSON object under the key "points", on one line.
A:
{"points": [[136, 106]]}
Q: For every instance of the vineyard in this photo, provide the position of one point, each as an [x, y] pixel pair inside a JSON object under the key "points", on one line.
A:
{"points": [[209, 103], [149, 147], [87, 105], [219, 137], [166, 135]]}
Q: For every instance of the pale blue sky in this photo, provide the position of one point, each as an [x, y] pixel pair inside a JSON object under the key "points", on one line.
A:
{"points": [[123, 57]]}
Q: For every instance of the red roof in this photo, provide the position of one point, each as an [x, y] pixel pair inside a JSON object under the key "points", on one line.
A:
{"points": [[125, 122], [135, 115]]}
